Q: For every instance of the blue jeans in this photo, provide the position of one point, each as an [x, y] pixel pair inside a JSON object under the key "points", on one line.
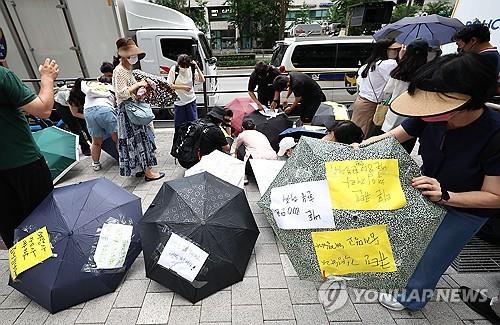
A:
{"points": [[452, 235], [101, 121], [185, 113]]}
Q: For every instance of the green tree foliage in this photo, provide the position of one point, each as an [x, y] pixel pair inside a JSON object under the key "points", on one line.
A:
{"points": [[197, 14], [441, 7], [304, 15], [338, 12], [402, 10]]}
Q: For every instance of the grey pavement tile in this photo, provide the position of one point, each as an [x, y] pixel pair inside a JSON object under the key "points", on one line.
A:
{"points": [[271, 276], [266, 236], [2, 298], [246, 292], [216, 308], [156, 308], [409, 321], [9, 316], [267, 254], [374, 314], [449, 280], [156, 287], [251, 267], [463, 311], [4, 254], [15, 300], [255, 208], [33, 314], [405, 313], [4, 264], [97, 310], [137, 271], [184, 315], [243, 315], [276, 304], [442, 284], [181, 301], [362, 296], [132, 293], [281, 249], [287, 265], [261, 220], [64, 317], [310, 314], [123, 316], [440, 313], [479, 281], [302, 291], [476, 322], [346, 313], [280, 322]]}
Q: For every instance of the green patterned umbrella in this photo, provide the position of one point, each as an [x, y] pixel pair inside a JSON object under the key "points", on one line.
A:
{"points": [[410, 228], [59, 148]]}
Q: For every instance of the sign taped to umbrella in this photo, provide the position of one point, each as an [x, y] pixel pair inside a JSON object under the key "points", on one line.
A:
{"points": [[29, 252], [112, 246], [302, 206], [366, 249], [371, 184]]}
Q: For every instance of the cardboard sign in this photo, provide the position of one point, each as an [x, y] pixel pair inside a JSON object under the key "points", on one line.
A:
{"points": [[302, 206], [29, 251], [365, 184], [366, 249]]}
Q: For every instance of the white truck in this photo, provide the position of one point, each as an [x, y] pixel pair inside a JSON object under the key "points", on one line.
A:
{"points": [[81, 34]]}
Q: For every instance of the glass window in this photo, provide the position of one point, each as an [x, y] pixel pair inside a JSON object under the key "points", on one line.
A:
{"points": [[314, 56], [205, 46], [171, 48], [278, 53], [351, 55]]}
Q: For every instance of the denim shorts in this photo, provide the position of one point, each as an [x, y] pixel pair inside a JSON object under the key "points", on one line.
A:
{"points": [[101, 121]]}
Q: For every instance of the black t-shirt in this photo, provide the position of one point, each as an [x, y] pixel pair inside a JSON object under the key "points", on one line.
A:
{"points": [[212, 139], [493, 57], [265, 90], [304, 86]]}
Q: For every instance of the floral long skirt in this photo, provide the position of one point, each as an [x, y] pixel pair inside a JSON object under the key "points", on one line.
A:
{"points": [[136, 147]]}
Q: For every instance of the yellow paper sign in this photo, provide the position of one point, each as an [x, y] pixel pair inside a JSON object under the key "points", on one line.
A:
{"points": [[365, 184], [348, 251], [29, 251]]}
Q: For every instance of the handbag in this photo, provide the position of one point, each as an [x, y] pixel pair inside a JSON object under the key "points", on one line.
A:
{"points": [[139, 113]]}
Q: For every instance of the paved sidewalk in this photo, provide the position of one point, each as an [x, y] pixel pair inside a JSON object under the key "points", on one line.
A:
{"points": [[271, 292]]}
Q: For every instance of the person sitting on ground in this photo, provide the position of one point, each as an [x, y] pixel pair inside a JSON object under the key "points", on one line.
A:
{"points": [[255, 143], [287, 144], [262, 77], [212, 137], [308, 95], [344, 132]]}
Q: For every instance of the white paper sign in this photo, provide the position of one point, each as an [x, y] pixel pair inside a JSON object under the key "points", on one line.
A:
{"points": [[113, 245], [265, 172], [220, 165], [182, 257], [302, 206]]}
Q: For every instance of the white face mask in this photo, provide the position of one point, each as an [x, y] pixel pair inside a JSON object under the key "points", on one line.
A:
{"points": [[133, 59]]}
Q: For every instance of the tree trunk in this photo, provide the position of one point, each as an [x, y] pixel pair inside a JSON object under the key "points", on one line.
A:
{"points": [[283, 5]]}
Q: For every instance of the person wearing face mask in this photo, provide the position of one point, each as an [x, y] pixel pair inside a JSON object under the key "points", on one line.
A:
{"points": [[262, 78], [460, 147], [135, 147], [181, 79], [372, 79]]}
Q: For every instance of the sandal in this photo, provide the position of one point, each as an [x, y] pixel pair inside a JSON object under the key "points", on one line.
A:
{"points": [[148, 179]]}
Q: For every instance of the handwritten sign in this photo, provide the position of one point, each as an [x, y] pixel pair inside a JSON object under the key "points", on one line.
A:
{"points": [[182, 257], [354, 250], [302, 206], [365, 184], [113, 245], [29, 251]]}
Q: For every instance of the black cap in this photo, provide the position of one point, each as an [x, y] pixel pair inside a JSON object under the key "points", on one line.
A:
{"points": [[217, 112], [418, 46]]}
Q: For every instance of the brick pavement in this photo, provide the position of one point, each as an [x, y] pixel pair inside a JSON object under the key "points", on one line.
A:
{"points": [[270, 293]]}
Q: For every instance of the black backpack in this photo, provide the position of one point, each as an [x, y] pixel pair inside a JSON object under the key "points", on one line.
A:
{"points": [[187, 139]]}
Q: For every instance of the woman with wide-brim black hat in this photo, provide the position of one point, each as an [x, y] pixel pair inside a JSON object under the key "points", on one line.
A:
{"points": [[135, 148], [460, 148]]}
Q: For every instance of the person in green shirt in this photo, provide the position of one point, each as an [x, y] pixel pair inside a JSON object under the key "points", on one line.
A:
{"points": [[24, 176]]}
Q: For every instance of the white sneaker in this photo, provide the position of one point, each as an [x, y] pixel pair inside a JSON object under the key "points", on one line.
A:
{"points": [[245, 180], [96, 166], [389, 302]]}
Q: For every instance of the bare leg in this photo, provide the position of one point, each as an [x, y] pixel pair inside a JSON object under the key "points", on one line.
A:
{"points": [[95, 148]]}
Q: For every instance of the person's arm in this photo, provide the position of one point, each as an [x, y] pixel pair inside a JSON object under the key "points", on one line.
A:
{"points": [[236, 144], [256, 100], [42, 105], [74, 111], [122, 90], [295, 103], [200, 77], [276, 99], [399, 133], [487, 198]]}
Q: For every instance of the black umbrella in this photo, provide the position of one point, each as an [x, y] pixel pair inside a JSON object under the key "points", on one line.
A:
{"points": [[211, 214], [271, 126], [329, 112]]}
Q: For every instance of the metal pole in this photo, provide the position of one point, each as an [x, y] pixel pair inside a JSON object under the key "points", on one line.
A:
{"points": [[205, 96]]}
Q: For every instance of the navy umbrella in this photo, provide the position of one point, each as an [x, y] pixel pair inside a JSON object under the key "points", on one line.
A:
{"points": [[74, 215], [210, 215], [431, 27]]}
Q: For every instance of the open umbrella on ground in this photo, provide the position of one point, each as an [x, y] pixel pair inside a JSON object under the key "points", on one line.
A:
{"points": [[90, 224], [109, 146], [59, 148], [198, 235], [271, 126], [240, 107], [306, 130], [431, 27], [328, 112], [410, 228]]}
